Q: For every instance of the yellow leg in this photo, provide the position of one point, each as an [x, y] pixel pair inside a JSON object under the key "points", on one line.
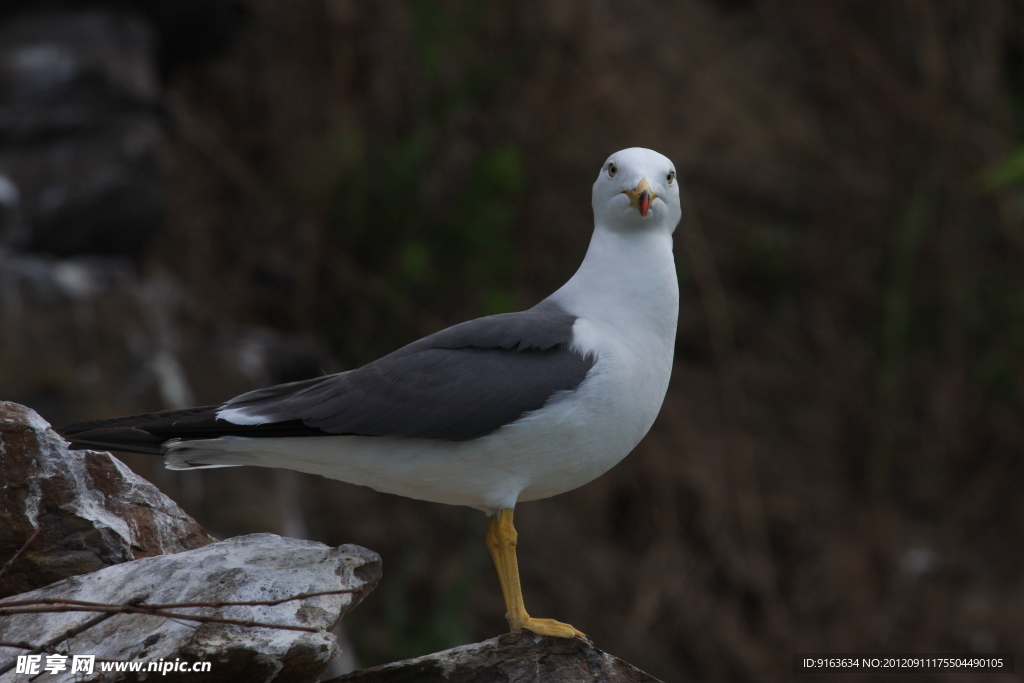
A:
{"points": [[501, 540]]}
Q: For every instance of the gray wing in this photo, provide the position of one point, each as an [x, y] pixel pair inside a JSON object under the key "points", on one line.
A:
{"points": [[461, 383]]}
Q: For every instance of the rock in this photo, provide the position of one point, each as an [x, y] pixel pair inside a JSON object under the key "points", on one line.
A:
{"points": [[81, 131], [90, 336], [259, 567], [83, 118], [86, 509], [74, 70], [521, 657]]}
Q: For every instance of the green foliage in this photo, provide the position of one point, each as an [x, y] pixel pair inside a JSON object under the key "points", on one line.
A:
{"points": [[1007, 176], [898, 316], [1008, 173], [995, 336], [996, 316], [381, 219], [925, 317], [476, 240], [457, 64], [425, 239]]}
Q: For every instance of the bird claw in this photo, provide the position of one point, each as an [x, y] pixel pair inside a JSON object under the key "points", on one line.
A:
{"points": [[549, 627]]}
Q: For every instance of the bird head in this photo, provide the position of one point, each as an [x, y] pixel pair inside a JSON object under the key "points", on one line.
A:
{"points": [[637, 189]]}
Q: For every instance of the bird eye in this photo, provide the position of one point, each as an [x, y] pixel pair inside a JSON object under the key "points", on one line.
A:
{"points": [[612, 170], [671, 176]]}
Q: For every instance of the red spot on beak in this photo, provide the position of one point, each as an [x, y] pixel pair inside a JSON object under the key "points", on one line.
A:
{"points": [[645, 203]]}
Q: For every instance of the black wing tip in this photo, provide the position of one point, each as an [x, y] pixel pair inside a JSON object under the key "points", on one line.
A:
{"points": [[126, 439], [148, 433], [159, 417], [68, 431]]}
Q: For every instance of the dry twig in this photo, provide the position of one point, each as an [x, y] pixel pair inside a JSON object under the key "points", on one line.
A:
{"points": [[72, 632], [68, 602], [146, 611], [45, 605], [21, 551]]}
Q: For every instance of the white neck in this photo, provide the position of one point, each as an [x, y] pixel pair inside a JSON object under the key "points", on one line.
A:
{"points": [[628, 281]]}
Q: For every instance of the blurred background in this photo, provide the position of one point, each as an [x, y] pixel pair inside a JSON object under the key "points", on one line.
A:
{"points": [[202, 197]]}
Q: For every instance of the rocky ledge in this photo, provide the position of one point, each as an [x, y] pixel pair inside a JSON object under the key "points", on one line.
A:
{"points": [[286, 597], [521, 657]]}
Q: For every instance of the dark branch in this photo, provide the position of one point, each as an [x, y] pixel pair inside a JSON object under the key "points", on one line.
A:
{"points": [[67, 602], [44, 605], [125, 609], [72, 632], [14, 558]]}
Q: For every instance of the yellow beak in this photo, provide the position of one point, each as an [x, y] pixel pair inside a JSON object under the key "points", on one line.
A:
{"points": [[641, 197]]}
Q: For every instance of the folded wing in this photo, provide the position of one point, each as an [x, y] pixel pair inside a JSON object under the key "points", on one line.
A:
{"points": [[461, 383]]}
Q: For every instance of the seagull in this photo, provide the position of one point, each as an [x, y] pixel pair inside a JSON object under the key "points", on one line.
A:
{"points": [[492, 412]]}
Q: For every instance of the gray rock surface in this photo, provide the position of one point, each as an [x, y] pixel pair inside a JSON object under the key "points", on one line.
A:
{"points": [[80, 132], [519, 657], [82, 510], [260, 567], [88, 337]]}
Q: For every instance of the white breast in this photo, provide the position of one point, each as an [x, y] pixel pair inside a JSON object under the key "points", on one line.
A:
{"points": [[627, 320]]}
